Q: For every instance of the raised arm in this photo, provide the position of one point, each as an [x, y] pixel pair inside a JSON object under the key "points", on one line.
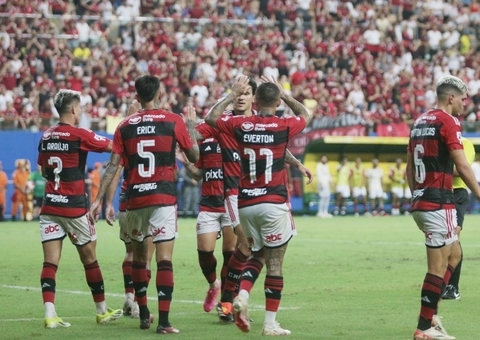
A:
{"points": [[238, 87], [298, 108], [191, 121]]}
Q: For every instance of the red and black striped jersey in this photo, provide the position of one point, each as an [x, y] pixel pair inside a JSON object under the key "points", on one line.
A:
{"points": [[433, 135], [62, 154], [147, 139], [262, 143], [230, 157], [212, 186]]}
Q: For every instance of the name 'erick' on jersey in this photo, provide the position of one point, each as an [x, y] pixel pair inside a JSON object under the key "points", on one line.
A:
{"points": [[210, 162], [433, 135], [147, 139], [62, 154], [262, 143]]}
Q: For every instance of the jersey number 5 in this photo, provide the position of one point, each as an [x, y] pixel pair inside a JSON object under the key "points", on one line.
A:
{"points": [[148, 156], [253, 165]]}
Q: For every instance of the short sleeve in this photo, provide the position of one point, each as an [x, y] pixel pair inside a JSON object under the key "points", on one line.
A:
{"points": [[452, 134], [118, 147], [296, 125], [226, 123], [90, 141], [206, 130], [181, 134]]}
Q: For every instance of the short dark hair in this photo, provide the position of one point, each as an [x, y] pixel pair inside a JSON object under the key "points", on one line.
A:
{"points": [[267, 94], [147, 87], [450, 85], [253, 84], [64, 100]]}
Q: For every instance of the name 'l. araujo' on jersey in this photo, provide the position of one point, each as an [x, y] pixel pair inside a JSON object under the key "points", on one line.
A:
{"points": [[433, 135], [262, 143], [210, 162], [230, 156], [62, 154], [147, 139]]}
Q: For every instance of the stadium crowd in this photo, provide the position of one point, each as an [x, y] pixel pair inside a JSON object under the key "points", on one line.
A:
{"points": [[374, 60]]}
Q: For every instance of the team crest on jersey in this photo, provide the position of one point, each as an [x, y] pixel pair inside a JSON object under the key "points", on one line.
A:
{"points": [[248, 126], [135, 120]]}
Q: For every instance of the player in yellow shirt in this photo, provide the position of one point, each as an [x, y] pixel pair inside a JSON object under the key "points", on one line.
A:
{"points": [[461, 197], [397, 176], [359, 191], [343, 187]]}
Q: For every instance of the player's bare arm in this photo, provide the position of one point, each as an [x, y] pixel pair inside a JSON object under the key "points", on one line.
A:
{"points": [[112, 188], [293, 161], [108, 176], [298, 108], [193, 171], [193, 154], [239, 86], [410, 172], [465, 171], [109, 147], [191, 120]]}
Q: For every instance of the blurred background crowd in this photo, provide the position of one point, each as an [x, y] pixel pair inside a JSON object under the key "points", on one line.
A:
{"points": [[372, 62]]}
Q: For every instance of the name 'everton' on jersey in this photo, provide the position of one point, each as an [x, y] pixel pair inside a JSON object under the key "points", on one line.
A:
{"points": [[210, 162], [262, 143], [62, 154], [433, 135], [147, 139]]}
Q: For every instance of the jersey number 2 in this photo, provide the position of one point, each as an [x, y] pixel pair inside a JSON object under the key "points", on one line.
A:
{"points": [[253, 165]]}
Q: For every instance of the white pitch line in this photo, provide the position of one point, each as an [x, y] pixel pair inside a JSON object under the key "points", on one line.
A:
{"points": [[78, 292], [75, 317]]}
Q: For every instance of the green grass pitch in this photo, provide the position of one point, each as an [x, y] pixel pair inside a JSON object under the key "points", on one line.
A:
{"points": [[345, 278]]}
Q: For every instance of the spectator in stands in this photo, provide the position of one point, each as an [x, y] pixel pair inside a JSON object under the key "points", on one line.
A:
{"points": [[190, 194]]}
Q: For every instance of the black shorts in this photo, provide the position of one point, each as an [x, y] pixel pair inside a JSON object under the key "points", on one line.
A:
{"points": [[461, 198], [38, 201]]}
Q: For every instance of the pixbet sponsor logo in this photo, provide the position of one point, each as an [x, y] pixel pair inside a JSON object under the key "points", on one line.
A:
{"points": [[52, 229], [213, 174], [273, 237]]}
